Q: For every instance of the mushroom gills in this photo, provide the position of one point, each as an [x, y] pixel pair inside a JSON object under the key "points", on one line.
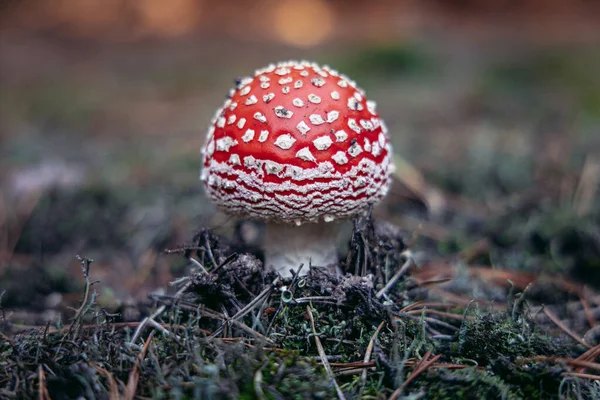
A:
{"points": [[288, 246]]}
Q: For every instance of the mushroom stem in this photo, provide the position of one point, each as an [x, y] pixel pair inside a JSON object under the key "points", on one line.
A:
{"points": [[288, 246]]}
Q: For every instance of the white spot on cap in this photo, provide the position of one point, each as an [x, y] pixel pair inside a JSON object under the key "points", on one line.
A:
{"points": [[335, 95], [375, 149], [264, 78], [263, 136], [231, 119], [285, 81], [367, 145], [282, 112], [251, 100], [303, 127], [353, 125], [245, 90], [285, 141], [248, 136], [358, 96], [268, 97], [313, 98], [323, 142], [365, 123], [298, 102], [249, 161], [342, 83], [316, 119], [285, 89], [340, 158], [271, 167], [233, 106], [304, 73], [241, 123], [318, 82], [381, 140], [235, 159], [332, 116], [246, 80], [306, 155], [353, 104], [260, 117], [282, 71], [298, 84], [328, 218], [265, 85], [221, 122], [210, 149], [225, 143], [371, 106], [355, 150], [340, 136]]}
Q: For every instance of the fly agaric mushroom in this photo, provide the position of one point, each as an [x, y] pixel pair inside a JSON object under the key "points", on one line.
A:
{"points": [[297, 146]]}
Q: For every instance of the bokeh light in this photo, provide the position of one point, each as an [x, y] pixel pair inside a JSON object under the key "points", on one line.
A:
{"points": [[303, 23]]}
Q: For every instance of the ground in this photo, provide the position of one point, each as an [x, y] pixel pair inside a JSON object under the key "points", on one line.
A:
{"points": [[493, 221]]}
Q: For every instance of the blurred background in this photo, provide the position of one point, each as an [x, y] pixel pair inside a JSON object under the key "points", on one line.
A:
{"points": [[493, 108]]}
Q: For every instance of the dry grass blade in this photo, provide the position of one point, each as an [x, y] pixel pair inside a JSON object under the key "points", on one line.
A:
{"points": [[420, 367], [368, 353], [433, 282], [258, 378], [113, 388], [582, 376], [134, 375], [589, 314], [569, 361], [565, 329], [323, 355], [42, 389], [440, 313], [589, 355]]}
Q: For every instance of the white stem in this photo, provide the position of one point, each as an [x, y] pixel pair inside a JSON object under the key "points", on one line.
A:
{"points": [[288, 246]]}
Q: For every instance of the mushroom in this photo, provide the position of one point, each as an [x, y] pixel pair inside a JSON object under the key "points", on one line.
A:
{"points": [[298, 146]]}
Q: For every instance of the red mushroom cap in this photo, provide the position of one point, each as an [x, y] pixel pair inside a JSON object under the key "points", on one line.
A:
{"points": [[297, 142]]}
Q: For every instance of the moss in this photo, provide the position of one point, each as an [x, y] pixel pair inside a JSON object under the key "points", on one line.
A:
{"points": [[466, 384]]}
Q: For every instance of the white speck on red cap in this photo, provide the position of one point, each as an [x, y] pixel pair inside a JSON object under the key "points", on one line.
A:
{"points": [[303, 127], [298, 102], [327, 159]]}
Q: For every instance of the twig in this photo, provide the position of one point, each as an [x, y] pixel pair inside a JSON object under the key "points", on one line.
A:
{"points": [[420, 367], [198, 265], [156, 313], [565, 329], [401, 272], [249, 307], [323, 355]]}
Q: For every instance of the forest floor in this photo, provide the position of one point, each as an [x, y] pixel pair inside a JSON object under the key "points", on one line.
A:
{"points": [[478, 276]]}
